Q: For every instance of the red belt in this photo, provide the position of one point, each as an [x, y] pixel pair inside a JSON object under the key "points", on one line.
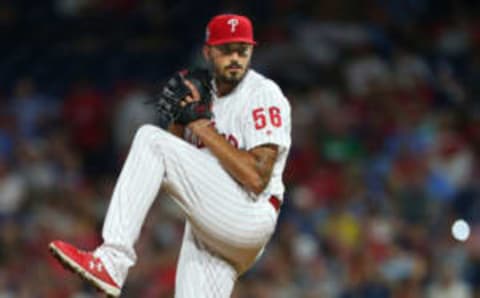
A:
{"points": [[276, 203]]}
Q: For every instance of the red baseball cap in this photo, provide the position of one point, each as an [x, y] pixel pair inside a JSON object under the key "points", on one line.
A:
{"points": [[226, 28]]}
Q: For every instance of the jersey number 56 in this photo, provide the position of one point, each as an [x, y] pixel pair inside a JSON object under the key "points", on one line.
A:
{"points": [[262, 115]]}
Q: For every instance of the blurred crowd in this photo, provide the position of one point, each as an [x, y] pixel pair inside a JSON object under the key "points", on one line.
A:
{"points": [[385, 156]]}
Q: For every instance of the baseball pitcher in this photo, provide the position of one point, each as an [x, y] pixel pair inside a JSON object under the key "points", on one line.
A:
{"points": [[219, 151]]}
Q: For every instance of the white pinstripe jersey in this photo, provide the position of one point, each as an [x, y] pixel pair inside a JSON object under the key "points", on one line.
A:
{"points": [[255, 113]]}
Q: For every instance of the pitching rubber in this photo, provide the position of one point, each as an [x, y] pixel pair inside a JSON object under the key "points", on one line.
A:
{"points": [[85, 275]]}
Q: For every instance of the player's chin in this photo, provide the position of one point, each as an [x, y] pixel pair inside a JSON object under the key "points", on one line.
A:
{"points": [[234, 76]]}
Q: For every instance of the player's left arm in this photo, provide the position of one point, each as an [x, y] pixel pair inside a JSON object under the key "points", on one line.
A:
{"points": [[252, 168], [265, 157]]}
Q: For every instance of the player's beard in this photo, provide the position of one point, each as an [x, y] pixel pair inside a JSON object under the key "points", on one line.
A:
{"points": [[224, 76]]}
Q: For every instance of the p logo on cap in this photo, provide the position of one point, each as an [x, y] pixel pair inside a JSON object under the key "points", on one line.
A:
{"points": [[227, 28], [233, 22]]}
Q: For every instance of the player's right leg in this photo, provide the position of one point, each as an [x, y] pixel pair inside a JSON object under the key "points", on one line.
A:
{"points": [[223, 215]]}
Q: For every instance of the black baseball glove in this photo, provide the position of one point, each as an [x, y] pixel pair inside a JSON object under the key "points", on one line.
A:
{"points": [[175, 90]]}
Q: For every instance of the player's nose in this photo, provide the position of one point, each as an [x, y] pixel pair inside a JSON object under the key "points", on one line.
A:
{"points": [[234, 55]]}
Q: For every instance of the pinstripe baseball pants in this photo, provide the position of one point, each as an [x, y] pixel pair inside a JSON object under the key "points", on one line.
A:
{"points": [[225, 224]]}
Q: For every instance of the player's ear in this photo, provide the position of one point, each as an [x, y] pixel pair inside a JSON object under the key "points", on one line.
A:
{"points": [[206, 52]]}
